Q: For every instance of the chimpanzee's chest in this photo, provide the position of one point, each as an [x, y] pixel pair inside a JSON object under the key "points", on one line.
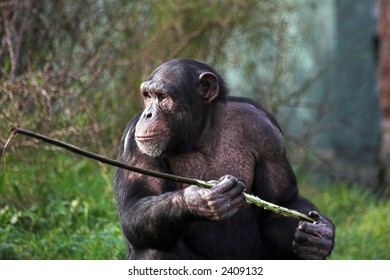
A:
{"points": [[231, 158]]}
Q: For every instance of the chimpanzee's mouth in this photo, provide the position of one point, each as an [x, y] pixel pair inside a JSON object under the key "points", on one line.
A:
{"points": [[150, 136]]}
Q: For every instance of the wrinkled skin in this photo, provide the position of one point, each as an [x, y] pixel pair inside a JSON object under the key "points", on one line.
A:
{"points": [[314, 240], [191, 128], [311, 240], [217, 203]]}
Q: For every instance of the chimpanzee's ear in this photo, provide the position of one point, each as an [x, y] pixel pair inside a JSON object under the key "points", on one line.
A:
{"points": [[208, 86]]}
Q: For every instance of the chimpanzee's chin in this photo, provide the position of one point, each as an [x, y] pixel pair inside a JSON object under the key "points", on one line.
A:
{"points": [[151, 148]]}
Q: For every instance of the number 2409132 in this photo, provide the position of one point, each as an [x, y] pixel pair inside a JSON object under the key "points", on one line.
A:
{"points": [[242, 270]]}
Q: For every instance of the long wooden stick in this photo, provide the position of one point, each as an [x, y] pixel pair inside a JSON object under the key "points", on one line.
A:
{"points": [[249, 198]]}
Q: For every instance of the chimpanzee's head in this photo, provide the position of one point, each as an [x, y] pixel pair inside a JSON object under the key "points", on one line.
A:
{"points": [[178, 97]]}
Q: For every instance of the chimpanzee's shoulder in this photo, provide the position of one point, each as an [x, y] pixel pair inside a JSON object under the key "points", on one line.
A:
{"points": [[259, 126]]}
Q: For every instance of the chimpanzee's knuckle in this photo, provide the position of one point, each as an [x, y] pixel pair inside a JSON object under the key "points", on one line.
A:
{"points": [[301, 238], [214, 216], [233, 180], [241, 186], [210, 196], [326, 231], [229, 178]]}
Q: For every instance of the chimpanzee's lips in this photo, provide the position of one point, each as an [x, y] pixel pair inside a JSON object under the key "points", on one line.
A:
{"points": [[146, 137]]}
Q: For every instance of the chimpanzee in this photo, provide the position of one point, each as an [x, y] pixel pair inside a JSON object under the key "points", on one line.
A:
{"points": [[191, 127]]}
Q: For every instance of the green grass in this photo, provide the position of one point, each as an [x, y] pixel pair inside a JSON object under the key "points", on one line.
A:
{"points": [[54, 205]]}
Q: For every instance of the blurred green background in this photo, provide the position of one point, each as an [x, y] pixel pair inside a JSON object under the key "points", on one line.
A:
{"points": [[72, 70]]}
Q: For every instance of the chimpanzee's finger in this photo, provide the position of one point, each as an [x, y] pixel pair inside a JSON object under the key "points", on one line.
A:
{"points": [[225, 184]]}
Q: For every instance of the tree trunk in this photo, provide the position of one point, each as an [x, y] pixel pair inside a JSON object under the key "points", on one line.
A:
{"points": [[384, 88]]}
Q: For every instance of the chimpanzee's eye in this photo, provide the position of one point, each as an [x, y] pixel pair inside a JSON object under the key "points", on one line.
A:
{"points": [[162, 96], [146, 94]]}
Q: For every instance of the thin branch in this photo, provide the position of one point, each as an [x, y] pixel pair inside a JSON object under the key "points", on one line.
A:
{"points": [[249, 198], [6, 144]]}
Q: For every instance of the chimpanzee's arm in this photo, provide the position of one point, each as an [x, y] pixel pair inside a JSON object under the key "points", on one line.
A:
{"points": [[150, 213], [156, 220], [282, 236], [148, 220]]}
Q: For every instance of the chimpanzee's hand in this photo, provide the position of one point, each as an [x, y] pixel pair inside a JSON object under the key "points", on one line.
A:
{"points": [[314, 240], [217, 203]]}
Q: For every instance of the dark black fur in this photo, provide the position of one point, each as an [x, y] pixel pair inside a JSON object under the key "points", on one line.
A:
{"points": [[156, 223]]}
